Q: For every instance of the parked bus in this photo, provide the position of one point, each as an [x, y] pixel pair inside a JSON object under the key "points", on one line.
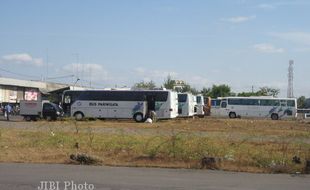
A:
{"points": [[267, 107], [187, 104], [120, 104], [200, 106], [215, 107]]}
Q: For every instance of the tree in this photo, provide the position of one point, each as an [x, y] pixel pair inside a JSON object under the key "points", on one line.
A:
{"points": [[194, 91], [169, 83], [184, 87], [220, 91], [267, 91], [247, 94], [206, 92], [216, 91], [263, 91], [145, 85], [301, 102]]}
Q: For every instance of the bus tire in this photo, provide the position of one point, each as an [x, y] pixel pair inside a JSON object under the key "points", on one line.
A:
{"points": [[78, 116], [138, 117], [232, 115], [274, 116], [28, 118]]}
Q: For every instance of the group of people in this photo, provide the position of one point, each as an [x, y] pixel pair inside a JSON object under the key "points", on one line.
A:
{"points": [[7, 109]]}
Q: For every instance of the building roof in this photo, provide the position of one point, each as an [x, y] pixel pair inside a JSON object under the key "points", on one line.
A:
{"points": [[43, 86]]}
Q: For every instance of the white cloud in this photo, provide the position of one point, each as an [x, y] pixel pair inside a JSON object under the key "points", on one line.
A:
{"points": [[238, 19], [302, 50], [94, 72], [295, 37], [266, 6], [153, 74], [199, 81], [23, 58], [291, 3], [271, 6], [267, 48], [140, 70], [38, 61]]}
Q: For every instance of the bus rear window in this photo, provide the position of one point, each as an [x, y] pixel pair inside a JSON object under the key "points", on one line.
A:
{"points": [[198, 99], [182, 97]]}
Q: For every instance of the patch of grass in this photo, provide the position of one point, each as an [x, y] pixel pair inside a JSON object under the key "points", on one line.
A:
{"points": [[239, 145]]}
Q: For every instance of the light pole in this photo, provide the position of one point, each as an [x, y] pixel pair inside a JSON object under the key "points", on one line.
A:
{"points": [[75, 83]]}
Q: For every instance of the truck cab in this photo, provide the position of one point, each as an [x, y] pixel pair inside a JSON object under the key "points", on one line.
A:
{"points": [[51, 111]]}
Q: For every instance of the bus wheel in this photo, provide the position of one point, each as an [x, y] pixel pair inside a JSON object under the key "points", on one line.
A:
{"points": [[274, 116], [78, 116], [138, 117], [232, 115], [28, 118]]}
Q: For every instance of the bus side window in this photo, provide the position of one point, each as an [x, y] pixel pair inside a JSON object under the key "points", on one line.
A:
{"points": [[291, 103], [283, 102], [224, 105]]}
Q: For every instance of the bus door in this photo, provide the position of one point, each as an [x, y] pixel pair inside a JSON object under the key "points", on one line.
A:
{"points": [[223, 111], [66, 106], [150, 103]]}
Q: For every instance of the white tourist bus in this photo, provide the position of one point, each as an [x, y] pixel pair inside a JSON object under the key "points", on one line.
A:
{"points": [[267, 107], [120, 104], [199, 105], [186, 106], [216, 107]]}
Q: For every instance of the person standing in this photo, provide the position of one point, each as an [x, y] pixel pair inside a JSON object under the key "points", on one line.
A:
{"points": [[8, 109]]}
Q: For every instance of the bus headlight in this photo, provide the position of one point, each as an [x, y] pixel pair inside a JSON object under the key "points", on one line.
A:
{"points": [[58, 113]]}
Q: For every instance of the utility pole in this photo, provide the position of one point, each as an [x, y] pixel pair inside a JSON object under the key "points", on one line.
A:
{"points": [[75, 83]]}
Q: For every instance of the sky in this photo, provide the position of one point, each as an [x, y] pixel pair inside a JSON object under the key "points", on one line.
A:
{"points": [[117, 43]]}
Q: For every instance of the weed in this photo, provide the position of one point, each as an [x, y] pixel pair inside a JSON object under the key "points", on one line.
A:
{"points": [[91, 136]]}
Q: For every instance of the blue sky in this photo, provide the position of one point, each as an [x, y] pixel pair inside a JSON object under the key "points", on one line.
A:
{"points": [[241, 43]]}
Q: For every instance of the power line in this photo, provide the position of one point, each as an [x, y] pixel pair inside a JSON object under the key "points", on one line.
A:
{"points": [[60, 77], [92, 82], [19, 74], [50, 78]]}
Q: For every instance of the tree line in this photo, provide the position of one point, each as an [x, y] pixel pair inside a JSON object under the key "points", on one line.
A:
{"points": [[222, 90]]}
